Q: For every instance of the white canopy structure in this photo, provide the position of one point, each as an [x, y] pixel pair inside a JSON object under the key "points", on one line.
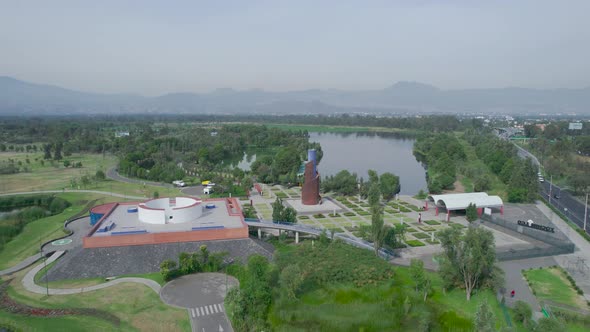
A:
{"points": [[452, 202]]}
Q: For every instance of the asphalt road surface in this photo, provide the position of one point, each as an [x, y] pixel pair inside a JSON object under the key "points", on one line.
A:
{"points": [[560, 199], [114, 175], [564, 202], [202, 295]]}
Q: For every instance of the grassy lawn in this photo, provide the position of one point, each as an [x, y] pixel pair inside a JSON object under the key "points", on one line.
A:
{"points": [[73, 323], [34, 233], [551, 284], [138, 307], [52, 175]]}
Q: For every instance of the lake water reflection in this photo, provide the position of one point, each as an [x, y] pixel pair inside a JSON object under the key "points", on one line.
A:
{"points": [[360, 152]]}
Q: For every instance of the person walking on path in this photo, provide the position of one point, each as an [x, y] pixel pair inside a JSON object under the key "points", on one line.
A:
{"points": [[419, 218]]}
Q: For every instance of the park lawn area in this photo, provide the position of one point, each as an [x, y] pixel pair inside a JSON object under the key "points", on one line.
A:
{"points": [[133, 189], [34, 233], [551, 284], [138, 307], [52, 175], [73, 323]]}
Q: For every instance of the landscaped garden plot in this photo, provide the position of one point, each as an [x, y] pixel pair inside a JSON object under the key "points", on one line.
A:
{"points": [[349, 214], [356, 218], [408, 219], [426, 229], [281, 195], [431, 222], [552, 284], [420, 235], [415, 243]]}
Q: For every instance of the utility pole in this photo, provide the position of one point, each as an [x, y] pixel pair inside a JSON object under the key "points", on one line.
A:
{"points": [[586, 212], [550, 187]]}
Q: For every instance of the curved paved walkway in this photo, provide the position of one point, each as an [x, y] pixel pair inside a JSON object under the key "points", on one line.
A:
{"points": [[23, 264], [114, 175], [30, 285]]}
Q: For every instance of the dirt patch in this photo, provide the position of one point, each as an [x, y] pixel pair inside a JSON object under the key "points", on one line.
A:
{"points": [[459, 188]]}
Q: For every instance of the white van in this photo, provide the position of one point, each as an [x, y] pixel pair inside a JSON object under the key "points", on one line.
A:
{"points": [[207, 190]]}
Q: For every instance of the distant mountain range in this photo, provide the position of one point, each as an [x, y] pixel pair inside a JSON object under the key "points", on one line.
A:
{"points": [[19, 97]]}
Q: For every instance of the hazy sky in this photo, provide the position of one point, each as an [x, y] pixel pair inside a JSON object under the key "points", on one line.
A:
{"points": [[155, 47]]}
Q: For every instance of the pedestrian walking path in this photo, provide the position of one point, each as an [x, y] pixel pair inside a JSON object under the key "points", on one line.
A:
{"points": [[206, 310], [30, 285], [23, 264]]}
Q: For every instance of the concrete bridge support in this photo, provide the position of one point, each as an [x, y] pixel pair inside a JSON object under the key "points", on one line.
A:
{"points": [[296, 237], [259, 234]]}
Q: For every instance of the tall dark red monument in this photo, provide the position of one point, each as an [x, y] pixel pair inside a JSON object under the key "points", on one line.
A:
{"points": [[310, 193]]}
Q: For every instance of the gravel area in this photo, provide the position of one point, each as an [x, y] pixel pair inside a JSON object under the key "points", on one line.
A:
{"points": [[83, 263]]}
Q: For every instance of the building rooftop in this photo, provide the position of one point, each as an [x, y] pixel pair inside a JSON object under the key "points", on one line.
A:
{"points": [[123, 219]]}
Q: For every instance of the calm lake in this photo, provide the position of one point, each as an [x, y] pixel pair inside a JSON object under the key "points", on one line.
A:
{"points": [[360, 152]]}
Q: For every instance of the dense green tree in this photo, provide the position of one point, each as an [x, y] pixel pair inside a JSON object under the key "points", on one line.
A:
{"points": [[522, 312], [374, 195], [46, 151], [389, 185], [291, 279], [282, 213], [548, 324], [471, 212], [167, 268], [99, 175], [468, 260], [420, 278], [57, 151], [485, 320], [377, 229], [342, 183]]}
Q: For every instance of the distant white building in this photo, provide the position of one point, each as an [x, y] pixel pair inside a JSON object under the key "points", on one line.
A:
{"points": [[121, 134]]}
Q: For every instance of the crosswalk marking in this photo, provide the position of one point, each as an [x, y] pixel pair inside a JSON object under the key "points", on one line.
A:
{"points": [[205, 310]]}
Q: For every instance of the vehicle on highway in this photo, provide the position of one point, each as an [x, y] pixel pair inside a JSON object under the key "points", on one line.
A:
{"points": [[179, 183], [207, 190], [541, 179]]}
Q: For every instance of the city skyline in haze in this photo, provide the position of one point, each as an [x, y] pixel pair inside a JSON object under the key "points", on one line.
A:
{"points": [[153, 48]]}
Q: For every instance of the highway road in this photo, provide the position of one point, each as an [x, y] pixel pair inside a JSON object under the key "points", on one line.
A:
{"points": [[572, 208], [564, 202]]}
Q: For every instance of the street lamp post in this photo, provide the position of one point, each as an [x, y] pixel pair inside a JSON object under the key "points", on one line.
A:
{"points": [[586, 212]]}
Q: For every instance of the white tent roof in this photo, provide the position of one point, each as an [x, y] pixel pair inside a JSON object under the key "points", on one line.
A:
{"points": [[461, 201]]}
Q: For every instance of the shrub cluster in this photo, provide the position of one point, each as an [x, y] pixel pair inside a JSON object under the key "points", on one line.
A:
{"points": [[201, 261]]}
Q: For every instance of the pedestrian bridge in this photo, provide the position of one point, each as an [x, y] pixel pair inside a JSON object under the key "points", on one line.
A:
{"points": [[283, 226]]}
